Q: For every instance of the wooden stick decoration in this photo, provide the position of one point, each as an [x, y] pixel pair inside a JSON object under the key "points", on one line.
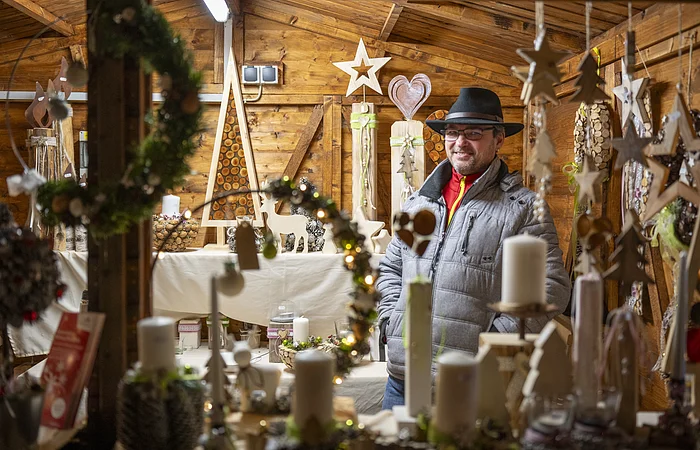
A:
{"points": [[363, 123]]}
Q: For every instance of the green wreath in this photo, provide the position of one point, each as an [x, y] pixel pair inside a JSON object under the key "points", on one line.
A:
{"points": [[136, 30]]}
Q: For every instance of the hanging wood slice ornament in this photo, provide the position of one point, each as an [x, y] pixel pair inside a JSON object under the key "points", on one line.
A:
{"points": [[434, 143], [415, 231], [409, 96]]}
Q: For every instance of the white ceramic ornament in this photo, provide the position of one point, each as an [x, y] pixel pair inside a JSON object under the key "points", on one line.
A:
{"points": [[241, 354], [329, 246], [279, 225], [381, 241]]}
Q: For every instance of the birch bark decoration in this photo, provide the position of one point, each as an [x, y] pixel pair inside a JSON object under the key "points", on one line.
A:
{"points": [[363, 122], [407, 151]]}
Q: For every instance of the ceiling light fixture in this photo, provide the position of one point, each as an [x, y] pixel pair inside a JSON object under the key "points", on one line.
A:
{"points": [[218, 9]]}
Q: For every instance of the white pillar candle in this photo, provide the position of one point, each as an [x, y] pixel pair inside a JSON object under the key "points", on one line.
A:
{"points": [[313, 388], [271, 379], [524, 270], [300, 328], [156, 344], [419, 353], [171, 205], [457, 395], [588, 337]]}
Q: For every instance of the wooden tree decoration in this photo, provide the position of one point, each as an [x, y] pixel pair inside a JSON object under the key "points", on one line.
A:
{"points": [[588, 83], [407, 151], [550, 373], [232, 164], [363, 73], [627, 261], [541, 155]]}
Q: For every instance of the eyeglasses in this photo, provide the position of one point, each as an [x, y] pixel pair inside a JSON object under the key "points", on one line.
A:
{"points": [[472, 134]]}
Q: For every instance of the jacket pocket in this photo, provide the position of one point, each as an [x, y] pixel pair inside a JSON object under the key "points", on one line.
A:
{"points": [[481, 240]]}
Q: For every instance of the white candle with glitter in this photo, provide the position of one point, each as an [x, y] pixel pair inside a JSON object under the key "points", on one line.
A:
{"points": [[300, 329], [156, 344], [171, 205], [524, 270], [456, 395], [588, 337], [313, 388]]}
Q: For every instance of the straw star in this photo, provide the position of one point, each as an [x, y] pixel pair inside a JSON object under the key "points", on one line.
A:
{"points": [[587, 181], [367, 76], [630, 147], [631, 94], [680, 125]]}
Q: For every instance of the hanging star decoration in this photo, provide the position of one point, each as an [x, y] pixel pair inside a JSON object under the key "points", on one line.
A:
{"points": [[593, 233], [631, 94], [659, 196], [680, 125], [630, 147], [367, 73], [587, 181], [366, 228], [541, 156], [589, 83], [543, 72]]}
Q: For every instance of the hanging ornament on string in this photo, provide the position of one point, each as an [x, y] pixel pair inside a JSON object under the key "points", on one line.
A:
{"points": [[588, 182], [631, 147], [589, 82]]}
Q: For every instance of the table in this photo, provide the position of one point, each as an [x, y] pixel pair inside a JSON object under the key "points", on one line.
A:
{"points": [[365, 384], [317, 283]]}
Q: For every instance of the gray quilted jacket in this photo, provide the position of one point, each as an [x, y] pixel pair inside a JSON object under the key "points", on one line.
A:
{"points": [[464, 262]]}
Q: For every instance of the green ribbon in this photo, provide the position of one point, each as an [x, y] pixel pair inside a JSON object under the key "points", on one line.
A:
{"points": [[356, 120], [664, 232], [406, 141]]}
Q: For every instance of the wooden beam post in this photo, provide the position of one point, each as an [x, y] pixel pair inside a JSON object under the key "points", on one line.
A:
{"points": [[118, 267], [332, 135], [38, 13], [218, 53], [391, 20]]}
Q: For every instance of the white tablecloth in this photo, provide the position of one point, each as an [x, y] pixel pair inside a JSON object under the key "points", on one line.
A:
{"points": [[317, 283]]}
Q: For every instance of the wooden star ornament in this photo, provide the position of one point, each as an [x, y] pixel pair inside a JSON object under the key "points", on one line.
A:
{"points": [[543, 59], [631, 94], [680, 124], [660, 196], [367, 75], [630, 147], [367, 228], [587, 181]]}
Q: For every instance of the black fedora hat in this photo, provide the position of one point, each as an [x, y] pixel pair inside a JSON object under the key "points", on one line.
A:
{"points": [[476, 106]]}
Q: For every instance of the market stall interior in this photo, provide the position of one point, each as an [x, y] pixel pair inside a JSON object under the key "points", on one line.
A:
{"points": [[325, 224]]}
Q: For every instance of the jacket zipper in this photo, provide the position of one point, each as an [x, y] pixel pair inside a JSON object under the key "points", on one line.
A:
{"points": [[469, 231]]}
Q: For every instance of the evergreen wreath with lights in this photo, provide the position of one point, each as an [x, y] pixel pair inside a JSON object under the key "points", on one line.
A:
{"points": [[136, 30]]}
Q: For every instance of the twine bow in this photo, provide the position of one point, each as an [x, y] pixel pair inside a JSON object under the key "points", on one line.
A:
{"points": [[363, 122], [247, 377]]}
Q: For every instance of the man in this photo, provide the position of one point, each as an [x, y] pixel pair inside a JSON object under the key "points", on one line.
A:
{"points": [[477, 203]]}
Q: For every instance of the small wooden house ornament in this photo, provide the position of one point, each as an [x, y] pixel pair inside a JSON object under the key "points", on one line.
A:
{"points": [[491, 403], [550, 367]]}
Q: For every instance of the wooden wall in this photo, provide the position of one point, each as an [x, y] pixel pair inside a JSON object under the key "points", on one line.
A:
{"points": [[656, 33], [305, 48]]}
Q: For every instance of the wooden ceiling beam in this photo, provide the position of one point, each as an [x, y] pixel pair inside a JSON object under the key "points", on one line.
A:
{"points": [[41, 15], [493, 73], [235, 6], [492, 22], [391, 19]]}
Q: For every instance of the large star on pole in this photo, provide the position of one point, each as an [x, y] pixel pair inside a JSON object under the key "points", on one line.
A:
{"points": [[367, 228], [367, 76], [630, 147], [680, 124], [631, 94]]}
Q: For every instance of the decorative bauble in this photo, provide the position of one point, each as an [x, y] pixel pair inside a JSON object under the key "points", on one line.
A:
{"points": [[190, 104], [241, 354], [77, 74], [231, 282], [28, 276], [58, 108]]}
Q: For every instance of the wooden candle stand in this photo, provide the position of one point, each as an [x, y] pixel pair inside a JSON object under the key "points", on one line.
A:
{"points": [[523, 312]]}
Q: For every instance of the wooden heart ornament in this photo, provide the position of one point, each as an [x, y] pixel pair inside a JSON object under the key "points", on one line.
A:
{"points": [[408, 96]]}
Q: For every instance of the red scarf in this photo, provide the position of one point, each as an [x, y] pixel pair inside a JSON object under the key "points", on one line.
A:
{"points": [[455, 189]]}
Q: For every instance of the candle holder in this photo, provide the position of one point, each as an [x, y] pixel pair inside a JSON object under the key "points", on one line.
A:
{"points": [[675, 429], [523, 312]]}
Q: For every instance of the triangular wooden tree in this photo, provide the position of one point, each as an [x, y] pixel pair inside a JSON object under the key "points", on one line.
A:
{"points": [[588, 83], [232, 164], [627, 262], [406, 165], [550, 367]]}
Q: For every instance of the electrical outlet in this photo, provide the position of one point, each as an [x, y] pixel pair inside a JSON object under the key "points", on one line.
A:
{"points": [[261, 74]]}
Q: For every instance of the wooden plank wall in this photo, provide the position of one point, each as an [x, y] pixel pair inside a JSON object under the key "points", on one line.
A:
{"points": [[278, 119], [655, 31]]}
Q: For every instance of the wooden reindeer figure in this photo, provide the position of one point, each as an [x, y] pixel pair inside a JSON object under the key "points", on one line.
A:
{"points": [[286, 225]]}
